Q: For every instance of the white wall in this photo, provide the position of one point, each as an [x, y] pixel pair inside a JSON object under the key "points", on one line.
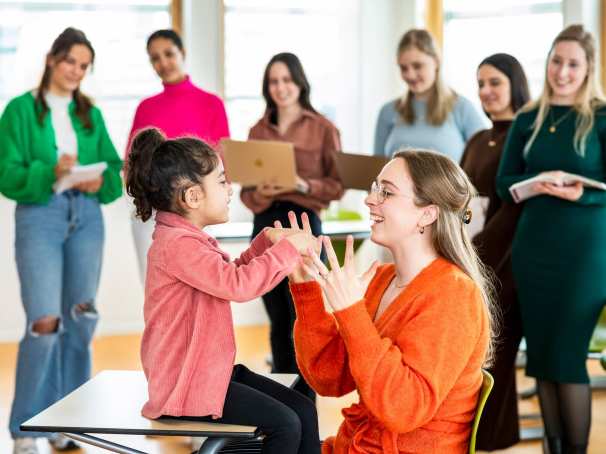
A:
{"points": [[120, 296]]}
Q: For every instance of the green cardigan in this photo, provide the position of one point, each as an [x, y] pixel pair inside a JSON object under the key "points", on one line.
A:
{"points": [[28, 153]]}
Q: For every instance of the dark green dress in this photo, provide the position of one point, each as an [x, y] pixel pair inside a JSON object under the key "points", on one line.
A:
{"points": [[559, 249]]}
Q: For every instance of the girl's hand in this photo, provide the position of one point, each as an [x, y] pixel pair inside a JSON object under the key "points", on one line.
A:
{"points": [[342, 287], [571, 193], [90, 186], [64, 164], [299, 274]]}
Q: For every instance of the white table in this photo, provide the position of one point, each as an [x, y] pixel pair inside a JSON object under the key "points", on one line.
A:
{"points": [[111, 402]]}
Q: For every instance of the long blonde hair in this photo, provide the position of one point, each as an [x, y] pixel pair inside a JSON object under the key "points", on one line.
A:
{"points": [[439, 181], [588, 98], [441, 99]]}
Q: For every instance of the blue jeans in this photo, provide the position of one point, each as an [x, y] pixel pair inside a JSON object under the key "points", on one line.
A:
{"points": [[58, 249]]}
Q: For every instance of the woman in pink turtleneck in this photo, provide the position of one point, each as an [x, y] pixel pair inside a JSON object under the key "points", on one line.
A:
{"points": [[182, 109]]}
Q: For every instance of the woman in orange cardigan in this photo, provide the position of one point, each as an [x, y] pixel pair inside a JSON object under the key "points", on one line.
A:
{"points": [[409, 337]]}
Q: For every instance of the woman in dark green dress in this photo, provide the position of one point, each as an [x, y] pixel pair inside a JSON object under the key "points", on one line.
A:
{"points": [[559, 249]]}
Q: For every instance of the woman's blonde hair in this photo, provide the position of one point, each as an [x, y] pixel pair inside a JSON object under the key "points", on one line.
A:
{"points": [[439, 181], [441, 99], [588, 98]]}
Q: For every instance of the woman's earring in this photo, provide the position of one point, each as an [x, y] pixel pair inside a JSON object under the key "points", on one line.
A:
{"points": [[422, 229]]}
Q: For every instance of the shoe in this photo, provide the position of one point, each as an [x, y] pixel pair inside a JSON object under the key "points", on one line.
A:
{"points": [[60, 442], [25, 445]]}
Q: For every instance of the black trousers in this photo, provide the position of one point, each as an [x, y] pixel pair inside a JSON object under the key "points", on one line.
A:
{"points": [[278, 302], [499, 427], [288, 419]]}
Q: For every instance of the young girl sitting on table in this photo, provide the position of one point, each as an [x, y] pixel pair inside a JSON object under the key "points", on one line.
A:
{"points": [[188, 346]]}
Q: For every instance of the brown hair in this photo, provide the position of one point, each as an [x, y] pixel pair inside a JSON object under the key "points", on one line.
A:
{"points": [[588, 98], [439, 181], [160, 169], [441, 98], [59, 51]]}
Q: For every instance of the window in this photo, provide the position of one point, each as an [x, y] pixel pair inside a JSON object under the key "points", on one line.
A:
{"points": [[324, 34], [475, 29], [121, 75]]}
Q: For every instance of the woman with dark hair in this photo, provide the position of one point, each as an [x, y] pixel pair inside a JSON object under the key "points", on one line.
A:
{"points": [[430, 115], [182, 109], [503, 89], [290, 117], [58, 235]]}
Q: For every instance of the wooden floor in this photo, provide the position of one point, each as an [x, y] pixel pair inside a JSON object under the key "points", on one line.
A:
{"points": [[122, 352]]}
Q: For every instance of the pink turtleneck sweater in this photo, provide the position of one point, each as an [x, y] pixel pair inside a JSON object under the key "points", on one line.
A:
{"points": [[182, 109]]}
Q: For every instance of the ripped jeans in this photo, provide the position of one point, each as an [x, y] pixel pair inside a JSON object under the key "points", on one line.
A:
{"points": [[58, 249]]}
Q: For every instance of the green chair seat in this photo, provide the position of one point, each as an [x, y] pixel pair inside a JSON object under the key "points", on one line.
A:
{"points": [[487, 384], [598, 339]]}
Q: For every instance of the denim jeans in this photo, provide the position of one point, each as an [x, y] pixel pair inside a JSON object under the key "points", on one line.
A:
{"points": [[58, 249]]}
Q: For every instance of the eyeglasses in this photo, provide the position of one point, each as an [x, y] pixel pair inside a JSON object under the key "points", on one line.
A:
{"points": [[382, 194]]}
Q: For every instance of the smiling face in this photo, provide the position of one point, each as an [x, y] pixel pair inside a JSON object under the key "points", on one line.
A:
{"points": [[68, 72], [494, 90], [167, 60], [283, 90], [567, 70], [393, 212], [217, 196], [418, 70]]}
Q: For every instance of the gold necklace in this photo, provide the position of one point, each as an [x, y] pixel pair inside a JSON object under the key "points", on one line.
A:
{"points": [[553, 127]]}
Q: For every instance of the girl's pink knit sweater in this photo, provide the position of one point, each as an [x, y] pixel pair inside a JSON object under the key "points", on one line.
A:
{"points": [[188, 346]]}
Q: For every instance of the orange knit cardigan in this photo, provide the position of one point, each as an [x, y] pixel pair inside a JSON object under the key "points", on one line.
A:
{"points": [[417, 369]]}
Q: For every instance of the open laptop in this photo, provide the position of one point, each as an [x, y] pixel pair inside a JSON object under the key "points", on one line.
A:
{"points": [[254, 162], [358, 171]]}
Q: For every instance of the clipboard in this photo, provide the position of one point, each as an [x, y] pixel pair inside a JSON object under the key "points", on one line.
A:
{"points": [[254, 162]]}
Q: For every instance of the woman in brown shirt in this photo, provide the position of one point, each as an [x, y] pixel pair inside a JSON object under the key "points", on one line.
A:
{"points": [[503, 89], [290, 117]]}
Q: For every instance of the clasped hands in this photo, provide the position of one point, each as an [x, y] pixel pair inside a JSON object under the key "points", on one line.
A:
{"points": [[572, 192], [341, 285]]}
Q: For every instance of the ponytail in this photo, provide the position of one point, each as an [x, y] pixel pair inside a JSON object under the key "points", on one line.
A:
{"points": [[159, 168], [138, 184]]}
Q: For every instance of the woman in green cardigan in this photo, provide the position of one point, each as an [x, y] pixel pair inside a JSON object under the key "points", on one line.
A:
{"points": [[559, 248], [58, 235]]}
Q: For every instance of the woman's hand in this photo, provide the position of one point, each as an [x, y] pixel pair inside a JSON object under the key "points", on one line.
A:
{"points": [[90, 186], [342, 287], [269, 191], [64, 165], [299, 274], [571, 193]]}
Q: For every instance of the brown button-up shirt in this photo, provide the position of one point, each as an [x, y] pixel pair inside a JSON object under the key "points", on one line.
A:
{"points": [[315, 141]]}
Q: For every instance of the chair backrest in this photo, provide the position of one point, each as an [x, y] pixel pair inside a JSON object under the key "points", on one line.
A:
{"points": [[487, 384], [598, 339]]}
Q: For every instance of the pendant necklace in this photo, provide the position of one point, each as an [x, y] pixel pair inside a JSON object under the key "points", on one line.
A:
{"points": [[554, 124]]}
